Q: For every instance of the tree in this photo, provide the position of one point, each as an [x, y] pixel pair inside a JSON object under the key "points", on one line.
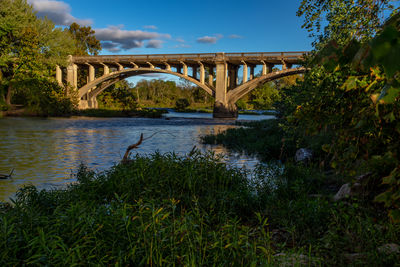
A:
{"points": [[86, 41], [181, 104], [345, 19], [263, 97], [29, 47]]}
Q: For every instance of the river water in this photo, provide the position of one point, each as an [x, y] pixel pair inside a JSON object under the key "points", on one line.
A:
{"points": [[45, 152]]}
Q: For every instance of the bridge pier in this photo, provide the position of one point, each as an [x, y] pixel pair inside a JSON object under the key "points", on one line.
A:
{"points": [[222, 107]]}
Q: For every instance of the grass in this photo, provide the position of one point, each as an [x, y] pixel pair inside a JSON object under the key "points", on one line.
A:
{"points": [[165, 210], [299, 203], [261, 138]]}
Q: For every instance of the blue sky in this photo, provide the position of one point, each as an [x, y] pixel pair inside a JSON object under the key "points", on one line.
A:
{"points": [[157, 27]]}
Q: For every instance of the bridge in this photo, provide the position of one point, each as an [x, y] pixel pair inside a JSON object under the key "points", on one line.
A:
{"points": [[103, 71]]}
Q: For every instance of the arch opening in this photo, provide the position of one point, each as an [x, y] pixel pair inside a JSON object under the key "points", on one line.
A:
{"points": [[103, 82], [240, 91]]}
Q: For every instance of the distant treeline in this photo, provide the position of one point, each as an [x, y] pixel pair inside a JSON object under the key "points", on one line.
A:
{"points": [[161, 93]]}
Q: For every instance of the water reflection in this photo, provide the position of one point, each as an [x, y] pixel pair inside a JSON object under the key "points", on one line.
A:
{"points": [[45, 152]]}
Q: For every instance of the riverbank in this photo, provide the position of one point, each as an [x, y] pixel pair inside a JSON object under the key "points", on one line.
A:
{"points": [[170, 210], [101, 113], [110, 113], [345, 228]]}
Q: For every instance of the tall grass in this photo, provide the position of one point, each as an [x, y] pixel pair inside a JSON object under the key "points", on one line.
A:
{"points": [[165, 210], [158, 210]]}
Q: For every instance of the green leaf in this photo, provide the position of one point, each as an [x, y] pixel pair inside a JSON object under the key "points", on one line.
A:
{"points": [[390, 117], [386, 50], [350, 83], [370, 86], [389, 179], [326, 147], [389, 94], [395, 215], [384, 197]]}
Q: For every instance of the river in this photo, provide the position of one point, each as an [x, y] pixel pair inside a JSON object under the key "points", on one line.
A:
{"points": [[46, 151]]}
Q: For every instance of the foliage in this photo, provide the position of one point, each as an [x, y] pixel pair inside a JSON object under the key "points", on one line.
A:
{"points": [[190, 210], [154, 93], [29, 47], [161, 210], [343, 20], [263, 97], [45, 98], [86, 41], [107, 113], [262, 138], [348, 108], [182, 104]]}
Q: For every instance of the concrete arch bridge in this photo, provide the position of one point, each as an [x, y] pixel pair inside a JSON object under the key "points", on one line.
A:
{"points": [[224, 86]]}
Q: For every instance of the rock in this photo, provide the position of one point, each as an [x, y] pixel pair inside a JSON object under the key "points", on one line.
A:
{"points": [[353, 257], [389, 249], [280, 236], [363, 178], [348, 190], [344, 192], [284, 259], [303, 154], [293, 259]]}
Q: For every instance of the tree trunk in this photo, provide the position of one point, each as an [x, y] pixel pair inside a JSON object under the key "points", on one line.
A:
{"points": [[137, 93], [9, 94]]}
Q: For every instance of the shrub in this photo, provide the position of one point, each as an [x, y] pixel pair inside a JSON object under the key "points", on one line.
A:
{"points": [[181, 104]]}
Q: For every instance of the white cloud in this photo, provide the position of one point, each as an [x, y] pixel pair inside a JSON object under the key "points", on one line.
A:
{"points": [[152, 27], [154, 44], [235, 36], [57, 11], [209, 39], [115, 38], [181, 46]]}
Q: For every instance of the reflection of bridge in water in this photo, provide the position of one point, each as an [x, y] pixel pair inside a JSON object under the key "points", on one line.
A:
{"points": [[224, 87]]}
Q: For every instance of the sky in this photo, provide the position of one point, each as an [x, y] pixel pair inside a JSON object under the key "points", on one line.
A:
{"points": [[169, 26]]}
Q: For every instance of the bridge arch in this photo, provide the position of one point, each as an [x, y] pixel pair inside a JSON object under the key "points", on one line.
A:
{"points": [[107, 80], [240, 91]]}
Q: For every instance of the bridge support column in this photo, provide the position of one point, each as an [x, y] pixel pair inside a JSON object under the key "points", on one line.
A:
{"points": [[270, 66], [120, 67], [185, 68], [202, 73], [232, 76], [286, 65], [167, 66], [72, 74], [264, 68], [91, 101], [59, 75], [194, 73], [211, 76], [251, 72], [244, 72], [106, 69], [222, 108]]}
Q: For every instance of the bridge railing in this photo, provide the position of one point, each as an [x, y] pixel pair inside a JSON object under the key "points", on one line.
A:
{"points": [[194, 56]]}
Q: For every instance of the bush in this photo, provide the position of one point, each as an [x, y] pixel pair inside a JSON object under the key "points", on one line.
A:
{"points": [[44, 97], [241, 104], [181, 104]]}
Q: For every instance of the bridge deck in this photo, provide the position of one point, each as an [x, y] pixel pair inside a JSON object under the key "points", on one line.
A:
{"points": [[206, 58]]}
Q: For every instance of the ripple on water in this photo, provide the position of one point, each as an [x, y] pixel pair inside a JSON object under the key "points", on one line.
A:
{"points": [[45, 152]]}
